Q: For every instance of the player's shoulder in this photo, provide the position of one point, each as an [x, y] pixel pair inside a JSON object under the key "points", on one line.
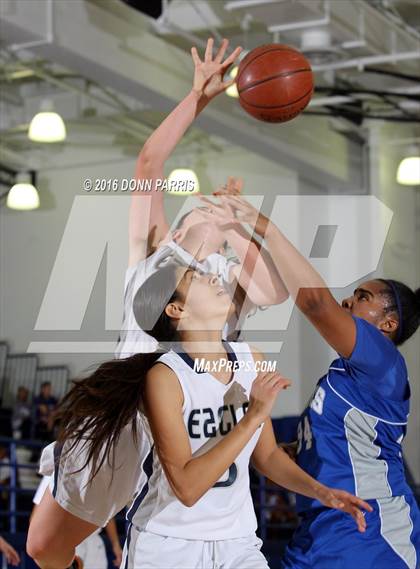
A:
{"points": [[162, 383], [160, 372]]}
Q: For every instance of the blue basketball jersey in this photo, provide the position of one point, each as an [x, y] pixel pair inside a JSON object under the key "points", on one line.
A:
{"points": [[350, 435]]}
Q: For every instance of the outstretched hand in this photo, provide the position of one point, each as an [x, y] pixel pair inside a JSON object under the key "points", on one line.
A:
{"points": [[233, 187], [209, 74], [346, 502], [220, 214], [241, 211]]}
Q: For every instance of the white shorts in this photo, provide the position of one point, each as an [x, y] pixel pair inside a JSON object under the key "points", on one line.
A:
{"points": [[112, 488], [145, 550]]}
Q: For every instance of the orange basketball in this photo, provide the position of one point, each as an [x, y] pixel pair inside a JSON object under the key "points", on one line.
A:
{"points": [[275, 83]]}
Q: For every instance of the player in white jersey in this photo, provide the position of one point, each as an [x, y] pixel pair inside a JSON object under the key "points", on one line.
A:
{"points": [[150, 245], [195, 506]]}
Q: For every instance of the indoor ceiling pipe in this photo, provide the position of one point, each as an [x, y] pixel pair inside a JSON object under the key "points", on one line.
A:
{"points": [[49, 35], [334, 100], [361, 62], [240, 4]]}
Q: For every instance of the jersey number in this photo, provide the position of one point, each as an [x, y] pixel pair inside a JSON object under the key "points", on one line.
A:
{"points": [[304, 434], [318, 401], [232, 476]]}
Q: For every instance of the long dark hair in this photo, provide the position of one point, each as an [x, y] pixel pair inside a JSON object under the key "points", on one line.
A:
{"points": [[406, 304], [98, 407]]}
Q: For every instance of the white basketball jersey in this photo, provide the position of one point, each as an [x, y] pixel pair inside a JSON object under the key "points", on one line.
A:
{"points": [[211, 409], [132, 338]]}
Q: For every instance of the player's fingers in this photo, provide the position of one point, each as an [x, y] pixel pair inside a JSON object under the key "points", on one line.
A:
{"points": [[195, 56], [265, 376], [359, 519], [222, 50], [359, 503], [239, 184], [229, 60], [242, 218], [209, 50], [283, 383], [203, 198], [239, 202], [275, 380], [206, 201]]}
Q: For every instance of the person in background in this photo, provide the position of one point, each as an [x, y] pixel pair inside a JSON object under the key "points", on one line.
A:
{"points": [[4, 483], [21, 417], [44, 405], [12, 556]]}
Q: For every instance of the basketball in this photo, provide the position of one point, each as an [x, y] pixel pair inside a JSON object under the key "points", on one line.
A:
{"points": [[275, 83]]}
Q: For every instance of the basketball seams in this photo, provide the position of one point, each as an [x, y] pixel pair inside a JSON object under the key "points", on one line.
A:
{"points": [[284, 74], [275, 74], [285, 48], [279, 106]]}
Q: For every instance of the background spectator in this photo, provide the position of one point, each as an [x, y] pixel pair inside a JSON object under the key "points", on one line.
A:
{"points": [[21, 417], [44, 405], [9, 552], [4, 482]]}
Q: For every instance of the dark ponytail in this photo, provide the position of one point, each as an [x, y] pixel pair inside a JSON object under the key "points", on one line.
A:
{"points": [[406, 303], [98, 407]]}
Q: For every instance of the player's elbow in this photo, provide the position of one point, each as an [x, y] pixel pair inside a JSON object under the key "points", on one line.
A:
{"points": [[188, 499], [148, 159], [186, 494], [311, 301], [185, 491]]}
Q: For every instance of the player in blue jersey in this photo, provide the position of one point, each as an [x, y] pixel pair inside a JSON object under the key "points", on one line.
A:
{"points": [[350, 434]]}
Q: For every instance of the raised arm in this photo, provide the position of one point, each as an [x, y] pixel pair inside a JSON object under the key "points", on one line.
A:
{"points": [[303, 282], [256, 272], [147, 221], [190, 477]]}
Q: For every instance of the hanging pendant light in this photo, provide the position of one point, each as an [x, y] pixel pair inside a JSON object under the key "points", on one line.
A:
{"points": [[47, 125], [23, 195]]}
